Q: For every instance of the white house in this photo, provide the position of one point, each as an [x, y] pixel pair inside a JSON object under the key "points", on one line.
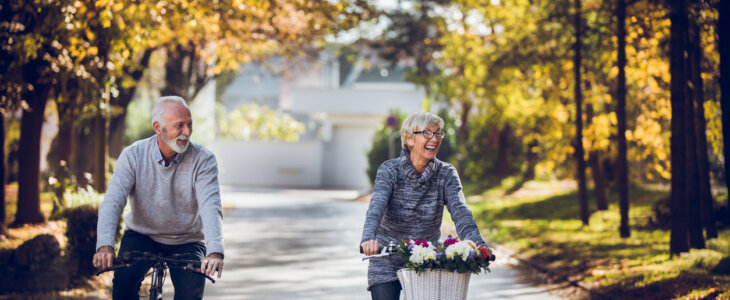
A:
{"points": [[341, 110]]}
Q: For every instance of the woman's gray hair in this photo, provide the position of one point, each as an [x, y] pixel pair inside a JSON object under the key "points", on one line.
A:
{"points": [[418, 121], [159, 109]]}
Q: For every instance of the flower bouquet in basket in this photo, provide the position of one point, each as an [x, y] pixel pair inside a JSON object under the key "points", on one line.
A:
{"points": [[440, 271]]}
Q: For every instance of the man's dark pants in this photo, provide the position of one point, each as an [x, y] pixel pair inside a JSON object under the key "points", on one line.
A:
{"points": [[127, 281]]}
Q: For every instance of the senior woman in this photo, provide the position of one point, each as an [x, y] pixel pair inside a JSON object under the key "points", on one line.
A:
{"points": [[408, 201]]}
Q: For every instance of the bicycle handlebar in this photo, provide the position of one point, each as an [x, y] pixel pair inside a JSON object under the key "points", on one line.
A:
{"points": [[391, 249], [126, 260]]}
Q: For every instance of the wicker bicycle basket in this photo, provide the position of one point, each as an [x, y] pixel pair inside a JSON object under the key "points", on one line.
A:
{"points": [[434, 284]]}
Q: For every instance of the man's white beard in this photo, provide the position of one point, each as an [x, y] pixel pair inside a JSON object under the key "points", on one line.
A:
{"points": [[172, 143]]}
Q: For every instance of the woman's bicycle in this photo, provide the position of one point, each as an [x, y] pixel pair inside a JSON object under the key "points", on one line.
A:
{"points": [[160, 265], [438, 284]]}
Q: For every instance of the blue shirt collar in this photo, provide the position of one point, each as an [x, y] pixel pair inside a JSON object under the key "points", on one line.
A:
{"points": [[160, 159]]}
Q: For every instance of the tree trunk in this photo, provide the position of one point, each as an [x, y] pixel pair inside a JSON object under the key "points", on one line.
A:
{"points": [[63, 145], [724, 47], [29, 205], [703, 166], [582, 190], [63, 149], [185, 71], [679, 240], [84, 143], [3, 170], [696, 237], [503, 152], [117, 133], [100, 143], [118, 123], [101, 125], [462, 137], [531, 161], [621, 163], [599, 183]]}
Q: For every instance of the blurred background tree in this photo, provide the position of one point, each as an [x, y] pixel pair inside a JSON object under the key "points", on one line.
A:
{"points": [[508, 70], [89, 56]]}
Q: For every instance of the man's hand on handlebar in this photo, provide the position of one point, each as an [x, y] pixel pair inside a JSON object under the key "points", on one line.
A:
{"points": [[104, 257], [212, 263]]}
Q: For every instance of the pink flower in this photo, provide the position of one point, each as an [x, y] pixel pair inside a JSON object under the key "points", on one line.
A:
{"points": [[422, 243], [450, 241]]}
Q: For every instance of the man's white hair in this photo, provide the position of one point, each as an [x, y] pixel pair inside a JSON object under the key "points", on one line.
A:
{"points": [[159, 109], [419, 121]]}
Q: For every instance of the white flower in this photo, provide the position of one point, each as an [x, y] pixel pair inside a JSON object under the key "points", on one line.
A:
{"points": [[460, 249], [419, 254], [52, 180]]}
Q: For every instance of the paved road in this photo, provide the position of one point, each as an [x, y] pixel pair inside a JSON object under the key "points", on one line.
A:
{"points": [[292, 244]]}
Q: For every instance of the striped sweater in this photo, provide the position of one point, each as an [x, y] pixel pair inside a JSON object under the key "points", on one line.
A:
{"points": [[406, 204]]}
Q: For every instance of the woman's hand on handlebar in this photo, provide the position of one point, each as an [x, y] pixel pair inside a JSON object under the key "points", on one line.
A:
{"points": [[370, 247], [104, 257]]}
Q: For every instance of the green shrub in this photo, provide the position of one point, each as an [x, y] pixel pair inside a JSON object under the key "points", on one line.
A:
{"points": [[386, 138], [81, 234], [662, 214], [722, 267], [81, 214], [254, 122], [32, 266], [138, 119], [82, 197], [484, 164], [37, 253]]}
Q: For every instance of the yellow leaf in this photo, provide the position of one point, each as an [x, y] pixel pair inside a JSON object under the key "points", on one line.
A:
{"points": [[120, 23], [93, 50], [90, 35]]}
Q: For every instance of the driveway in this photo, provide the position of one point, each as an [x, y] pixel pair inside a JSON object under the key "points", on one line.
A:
{"points": [[303, 244]]}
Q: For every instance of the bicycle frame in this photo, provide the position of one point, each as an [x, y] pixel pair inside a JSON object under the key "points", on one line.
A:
{"points": [[158, 279]]}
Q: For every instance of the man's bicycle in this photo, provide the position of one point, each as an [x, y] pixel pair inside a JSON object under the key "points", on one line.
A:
{"points": [[160, 265]]}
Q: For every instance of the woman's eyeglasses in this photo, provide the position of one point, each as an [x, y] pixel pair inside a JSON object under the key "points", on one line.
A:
{"points": [[428, 134]]}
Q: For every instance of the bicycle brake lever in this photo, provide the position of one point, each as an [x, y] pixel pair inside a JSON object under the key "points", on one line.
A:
{"points": [[112, 268], [375, 255], [189, 267], [209, 278]]}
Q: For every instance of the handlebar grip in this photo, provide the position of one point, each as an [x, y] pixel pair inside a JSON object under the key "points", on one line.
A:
{"points": [[110, 269], [363, 250]]}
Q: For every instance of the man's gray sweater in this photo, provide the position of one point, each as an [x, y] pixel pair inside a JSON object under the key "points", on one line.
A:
{"points": [[172, 205], [409, 205]]}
